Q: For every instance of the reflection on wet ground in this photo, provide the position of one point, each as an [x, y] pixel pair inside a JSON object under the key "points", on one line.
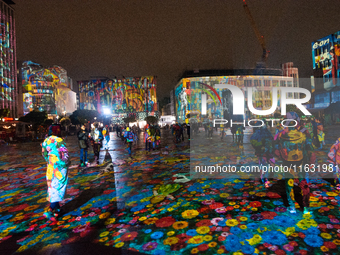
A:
{"points": [[149, 205]]}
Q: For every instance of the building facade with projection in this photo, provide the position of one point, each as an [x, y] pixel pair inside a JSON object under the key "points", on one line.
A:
{"points": [[326, 60], [129, 97], [46, 89], [326, 72], [8, 67], [189, 90]]}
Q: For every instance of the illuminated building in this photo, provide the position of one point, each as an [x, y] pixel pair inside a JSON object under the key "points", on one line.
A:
{"points": [[46, 89], [326, 63], [128, 97], [8, 68], [326, 57], [192, 85]]}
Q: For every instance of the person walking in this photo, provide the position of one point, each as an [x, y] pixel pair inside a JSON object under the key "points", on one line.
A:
{"points": [[293, 147], [321, 135], [334, 160], [147, 138], [188, 131], [262, 141], [56, 155], [83, 145], [107, 146], [233, 130], [129, 136], [96, 137]]}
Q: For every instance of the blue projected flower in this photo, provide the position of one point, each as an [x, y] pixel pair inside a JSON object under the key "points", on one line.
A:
{"points": [[284, 221], [137, 208], [313, 240], [267, 222], [159, 252], [191, 232], [277, 202], [217, 186], [235, 230], [222, 223], [248, 249], [157, 235], [274, 237], [246, 236], [311, 231], [232, 243], [252, 226]]}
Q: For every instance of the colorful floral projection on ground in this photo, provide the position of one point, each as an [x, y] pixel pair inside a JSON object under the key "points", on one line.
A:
{"points": [[137, 94], [139, 207], [44, 89]]}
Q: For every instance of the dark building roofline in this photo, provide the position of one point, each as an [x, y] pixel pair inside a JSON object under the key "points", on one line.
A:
{"points": [[231, 72], [9, 2]]}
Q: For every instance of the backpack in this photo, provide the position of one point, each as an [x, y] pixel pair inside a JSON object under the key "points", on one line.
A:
{"points": [[292, 146], [129, 136], [262, 141]]}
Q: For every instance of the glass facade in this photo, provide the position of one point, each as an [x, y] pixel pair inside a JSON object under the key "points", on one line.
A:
{"points": [[8, 68]]}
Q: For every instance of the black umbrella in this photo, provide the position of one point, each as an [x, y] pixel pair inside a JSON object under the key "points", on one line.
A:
{"points": [[333, 107]]}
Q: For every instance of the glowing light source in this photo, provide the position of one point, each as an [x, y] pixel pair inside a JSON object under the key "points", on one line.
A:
{"points": [[106, 111]]}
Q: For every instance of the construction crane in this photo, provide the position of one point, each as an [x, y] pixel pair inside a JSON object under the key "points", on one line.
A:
{"points": [[260, 37]]}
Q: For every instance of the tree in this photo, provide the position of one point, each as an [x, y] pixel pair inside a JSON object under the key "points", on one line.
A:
{"points": [[79, 117], [130, 119], [34, 117], [293, 108], [151, 120], [4, 113]]}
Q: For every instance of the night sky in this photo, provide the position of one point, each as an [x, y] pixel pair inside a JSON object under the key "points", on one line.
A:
{"points": [[165, 38]]}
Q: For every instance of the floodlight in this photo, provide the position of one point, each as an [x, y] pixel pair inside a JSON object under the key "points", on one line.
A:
{"points": [[106, 111]]}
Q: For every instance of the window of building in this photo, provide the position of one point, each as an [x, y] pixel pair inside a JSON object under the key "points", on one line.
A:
{"points": [[289, 84], [335, 96], [248, 83], [266, 94], [267, 83], [322, 98], [290, 94], [275, 83], [282, 83]]}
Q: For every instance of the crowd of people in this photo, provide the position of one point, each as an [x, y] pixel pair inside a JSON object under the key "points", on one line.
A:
{"points": [[293, 146], [100, 138]]}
